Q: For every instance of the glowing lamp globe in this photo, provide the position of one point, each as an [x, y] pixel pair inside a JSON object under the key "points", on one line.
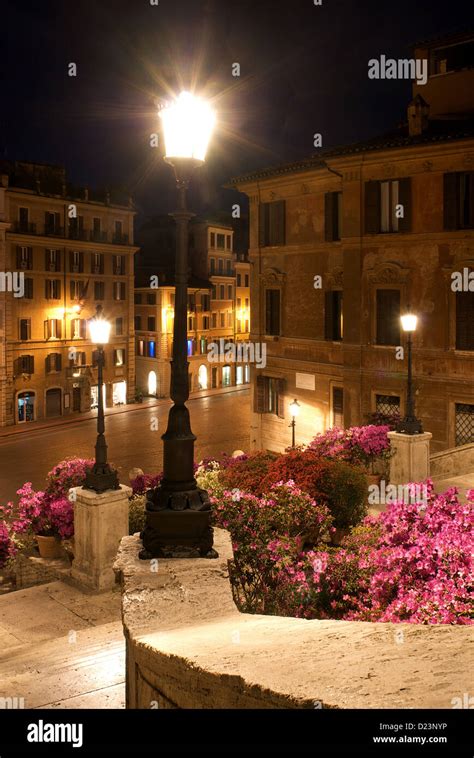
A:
{"points": [[409, 322], [99, 330], [294, 408], [188, 123]]}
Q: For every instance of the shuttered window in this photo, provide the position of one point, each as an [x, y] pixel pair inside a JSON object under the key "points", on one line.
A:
{"points": [[25, 364], [53, 362], [459, 200], [272, 312], [99, 290], [24, 257], [465, 320], [338, 407], [388, 317], [270, 395], [332, 216], [29, 289], [272, 223], [388, 206], [333, 315]]}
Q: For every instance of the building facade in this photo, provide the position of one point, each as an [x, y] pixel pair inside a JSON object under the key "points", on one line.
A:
{"points": [[343, 243], [218, 293], [72, 250]]}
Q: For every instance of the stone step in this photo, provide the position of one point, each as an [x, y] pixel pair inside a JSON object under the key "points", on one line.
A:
{"points": [[85, 670]]}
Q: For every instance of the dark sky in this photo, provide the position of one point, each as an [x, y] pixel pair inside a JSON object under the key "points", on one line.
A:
{"points": [[303, 70]]}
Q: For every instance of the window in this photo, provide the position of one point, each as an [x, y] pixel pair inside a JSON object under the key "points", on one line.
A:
{"points": [[226, 376], [270, 395], [97, 263], [205, 323], [23, 218], [76, 228], [190, 347], [246, 280], [119, 326], [151, 298], [151, 323], [220, 241], [138, 323], [25, 364], [239, 302], [52, 328], [96, 225], [76, 262], [239, 280], [190, 323], [228, 267], [228, 242], [140, 347], [53, 362], [388, 317], [119, 357], [118, 231], [52, 289], [214, 320], [213, 239], [24, 257], [220, 266], [151, 349], [221, 292], [191, 303], [229, 292], [464, 320], [52, 260], [333, 319], [222, 320], [272, 312], [29, 289], [99, 290], [272, 223], [118, 265], [464, 424], [246, 302], [137, 298], [119, 290], [388, 206], [77, 358], [459, 200], [229, 318], [452, 58], [203, 345], [52, 223], [332, 215], [387, 406], [338, 407], [212, 263], [205, 302], [78, 329], [76, 289], [25, 329]]}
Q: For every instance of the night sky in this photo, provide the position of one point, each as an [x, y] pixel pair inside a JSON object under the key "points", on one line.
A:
{"points": [[303, 70]]}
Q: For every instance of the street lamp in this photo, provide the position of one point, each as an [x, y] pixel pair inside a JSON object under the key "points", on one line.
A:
{"points": [[410, 424], [177, 511], [294, 411], [101, 477]]}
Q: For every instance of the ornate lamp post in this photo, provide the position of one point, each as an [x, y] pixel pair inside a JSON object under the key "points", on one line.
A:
{"points": [[101, 477], [177, 511], [410, 424], [294, 411]]}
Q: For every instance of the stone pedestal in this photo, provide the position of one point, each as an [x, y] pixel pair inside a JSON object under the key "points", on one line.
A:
{"points": [[100, 522], [411, 458]]}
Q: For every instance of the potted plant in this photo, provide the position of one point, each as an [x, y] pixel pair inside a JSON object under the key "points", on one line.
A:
{"points": [[48, 517]]}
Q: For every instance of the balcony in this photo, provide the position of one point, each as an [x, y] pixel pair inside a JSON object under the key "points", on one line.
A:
{"points": [[24, 227], [77, 234], [54, 231], [95, 235], [120, 239]]}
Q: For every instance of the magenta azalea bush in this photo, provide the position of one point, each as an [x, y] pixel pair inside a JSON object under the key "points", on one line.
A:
{"points": [[69, 473], [412, 563], [359, 445], [7, 545]]}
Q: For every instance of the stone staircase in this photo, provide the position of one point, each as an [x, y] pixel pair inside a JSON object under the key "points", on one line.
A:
{"points": [[61, 648]]}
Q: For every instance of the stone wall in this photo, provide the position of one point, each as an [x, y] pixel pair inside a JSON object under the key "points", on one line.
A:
{"points": [[453, 462], [189, 647]]}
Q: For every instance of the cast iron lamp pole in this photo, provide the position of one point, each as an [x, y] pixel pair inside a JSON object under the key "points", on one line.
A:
{"points": [[177, 511], [294, 410], [410, 424], [101, 477]]}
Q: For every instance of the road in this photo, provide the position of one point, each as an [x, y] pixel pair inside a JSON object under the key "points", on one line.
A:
{"points": [[221, 423]]}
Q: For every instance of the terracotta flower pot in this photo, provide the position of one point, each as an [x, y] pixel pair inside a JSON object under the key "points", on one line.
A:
{"points": [[49, 547]]}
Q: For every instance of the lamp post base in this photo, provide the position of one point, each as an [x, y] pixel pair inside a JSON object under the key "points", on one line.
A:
{"points": [[409, 426], [177, 524]]}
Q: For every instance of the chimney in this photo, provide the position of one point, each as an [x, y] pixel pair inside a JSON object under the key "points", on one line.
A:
{"points": [[418, 112]]}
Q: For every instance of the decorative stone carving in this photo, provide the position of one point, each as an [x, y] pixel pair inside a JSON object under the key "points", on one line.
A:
{"points": [[388, 273], [272, 276]]}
